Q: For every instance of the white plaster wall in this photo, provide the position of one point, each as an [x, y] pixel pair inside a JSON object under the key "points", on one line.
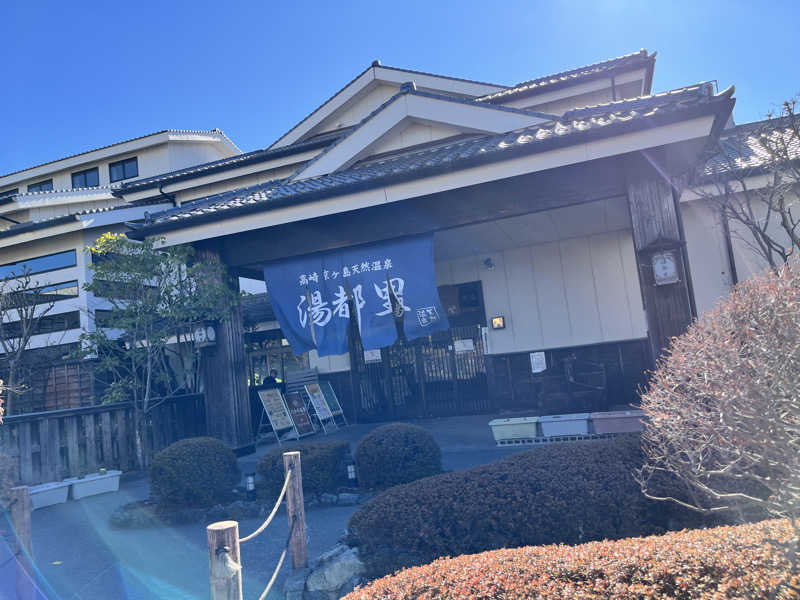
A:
{"points": [[415, 133], [329, 364], [749, 261], [571, 292], [708, 258], [354, 111]]}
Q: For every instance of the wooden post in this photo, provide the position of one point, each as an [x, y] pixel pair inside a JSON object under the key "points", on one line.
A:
{"points": [[224, 371], [655, 220], [20, 511], [225, 563], [296, 510]]}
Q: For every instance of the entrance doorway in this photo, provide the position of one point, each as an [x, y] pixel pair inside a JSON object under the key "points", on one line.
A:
{"points": [[440, 375]]}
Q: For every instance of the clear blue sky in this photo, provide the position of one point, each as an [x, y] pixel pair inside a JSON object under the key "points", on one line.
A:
{"points": [[77, 75]]}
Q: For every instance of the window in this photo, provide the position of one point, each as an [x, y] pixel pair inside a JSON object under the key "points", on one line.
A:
{"points": [[40, 264], [50, 293], [41, 186], [86, 179], [123, 169], [8, 195], [47, 324]]}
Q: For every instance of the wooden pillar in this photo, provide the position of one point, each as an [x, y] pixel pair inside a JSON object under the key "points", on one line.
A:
{"points": [[224, 370], [295, 509], [657, 228]]}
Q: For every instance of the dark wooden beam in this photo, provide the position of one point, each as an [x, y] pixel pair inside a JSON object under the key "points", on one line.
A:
{"points": [[224, 370], [547, 190], [656, 221]]}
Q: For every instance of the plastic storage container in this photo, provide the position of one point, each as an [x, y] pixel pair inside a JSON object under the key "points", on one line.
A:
{"points": [[514, 429], [573, 424], [618, 421]]}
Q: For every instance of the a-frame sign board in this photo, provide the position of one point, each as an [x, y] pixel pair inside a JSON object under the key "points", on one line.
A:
{"points": [[275, 416], [299, 413], [320, 406], [333, 403]]}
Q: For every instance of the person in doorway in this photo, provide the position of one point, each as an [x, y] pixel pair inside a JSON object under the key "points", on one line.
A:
{"points": [[274, 381]]}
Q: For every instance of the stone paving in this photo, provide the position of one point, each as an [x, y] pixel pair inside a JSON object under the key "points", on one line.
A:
{"points": [[83, 558]]}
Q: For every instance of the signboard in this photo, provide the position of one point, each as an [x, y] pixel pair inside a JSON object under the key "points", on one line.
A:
{"points": [[299, 413], [272, 401], [372, 356], [313, 295], [538, 362], [318, 401], [330, 396], [462, 346]]}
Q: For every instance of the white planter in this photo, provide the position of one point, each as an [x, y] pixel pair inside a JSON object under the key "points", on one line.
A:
{"points": [[618, 421], [47, 494], [573, 424], [94, 484], [514, 429]]}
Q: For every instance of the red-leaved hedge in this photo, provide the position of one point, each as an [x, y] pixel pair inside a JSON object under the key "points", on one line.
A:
{"points": [[561, 493], [701, 564]]}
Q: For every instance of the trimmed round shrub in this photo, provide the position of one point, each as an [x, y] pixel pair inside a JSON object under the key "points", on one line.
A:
{"points": [[321, 463], [194, 472], [396, 453], [708, 564], [562, 493]]}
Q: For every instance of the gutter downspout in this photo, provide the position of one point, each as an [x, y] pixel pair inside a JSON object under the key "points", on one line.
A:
{"points": [[170, 197], [729, 249]]}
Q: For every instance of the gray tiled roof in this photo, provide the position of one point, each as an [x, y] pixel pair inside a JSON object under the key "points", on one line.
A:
{"points": [[28, 226], [604, 68], [177, 131], [256, 308], [233, 162], [740, 148], [607, 120]]}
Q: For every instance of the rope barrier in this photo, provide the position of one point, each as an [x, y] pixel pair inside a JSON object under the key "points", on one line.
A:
{"points": [[273, 513], [277, 570]]}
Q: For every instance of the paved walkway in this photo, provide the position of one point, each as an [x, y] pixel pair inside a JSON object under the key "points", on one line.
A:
{"points": [[82, 558]]}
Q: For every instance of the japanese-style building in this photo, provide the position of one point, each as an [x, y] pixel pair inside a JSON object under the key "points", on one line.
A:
{"points": [[563, 253]]}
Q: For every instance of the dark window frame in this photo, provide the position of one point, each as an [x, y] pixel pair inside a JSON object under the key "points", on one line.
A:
{"points": [[84, 173], [124, 163], [37, 186], [8, 193], [25, 262], [52, 287]]}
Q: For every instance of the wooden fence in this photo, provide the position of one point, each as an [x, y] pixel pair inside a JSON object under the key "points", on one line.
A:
{"points": [[50, 446]]}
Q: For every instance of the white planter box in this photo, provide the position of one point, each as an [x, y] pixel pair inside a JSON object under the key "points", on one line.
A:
{"points": [[514, 429], [573, 424], [94, 484], [47, 494], [618, 421]]}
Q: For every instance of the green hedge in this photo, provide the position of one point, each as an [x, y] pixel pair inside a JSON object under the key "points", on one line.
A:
{"points": [[707, 564], [562, 493], [322, 465], [396, 453], [194, 472]]}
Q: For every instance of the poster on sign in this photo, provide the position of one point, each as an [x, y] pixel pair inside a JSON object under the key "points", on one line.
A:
{"points": [[320, 406], [463, 346], [276, 413], [538, 362], [333, 401], [313, 295], [299, 412]]}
